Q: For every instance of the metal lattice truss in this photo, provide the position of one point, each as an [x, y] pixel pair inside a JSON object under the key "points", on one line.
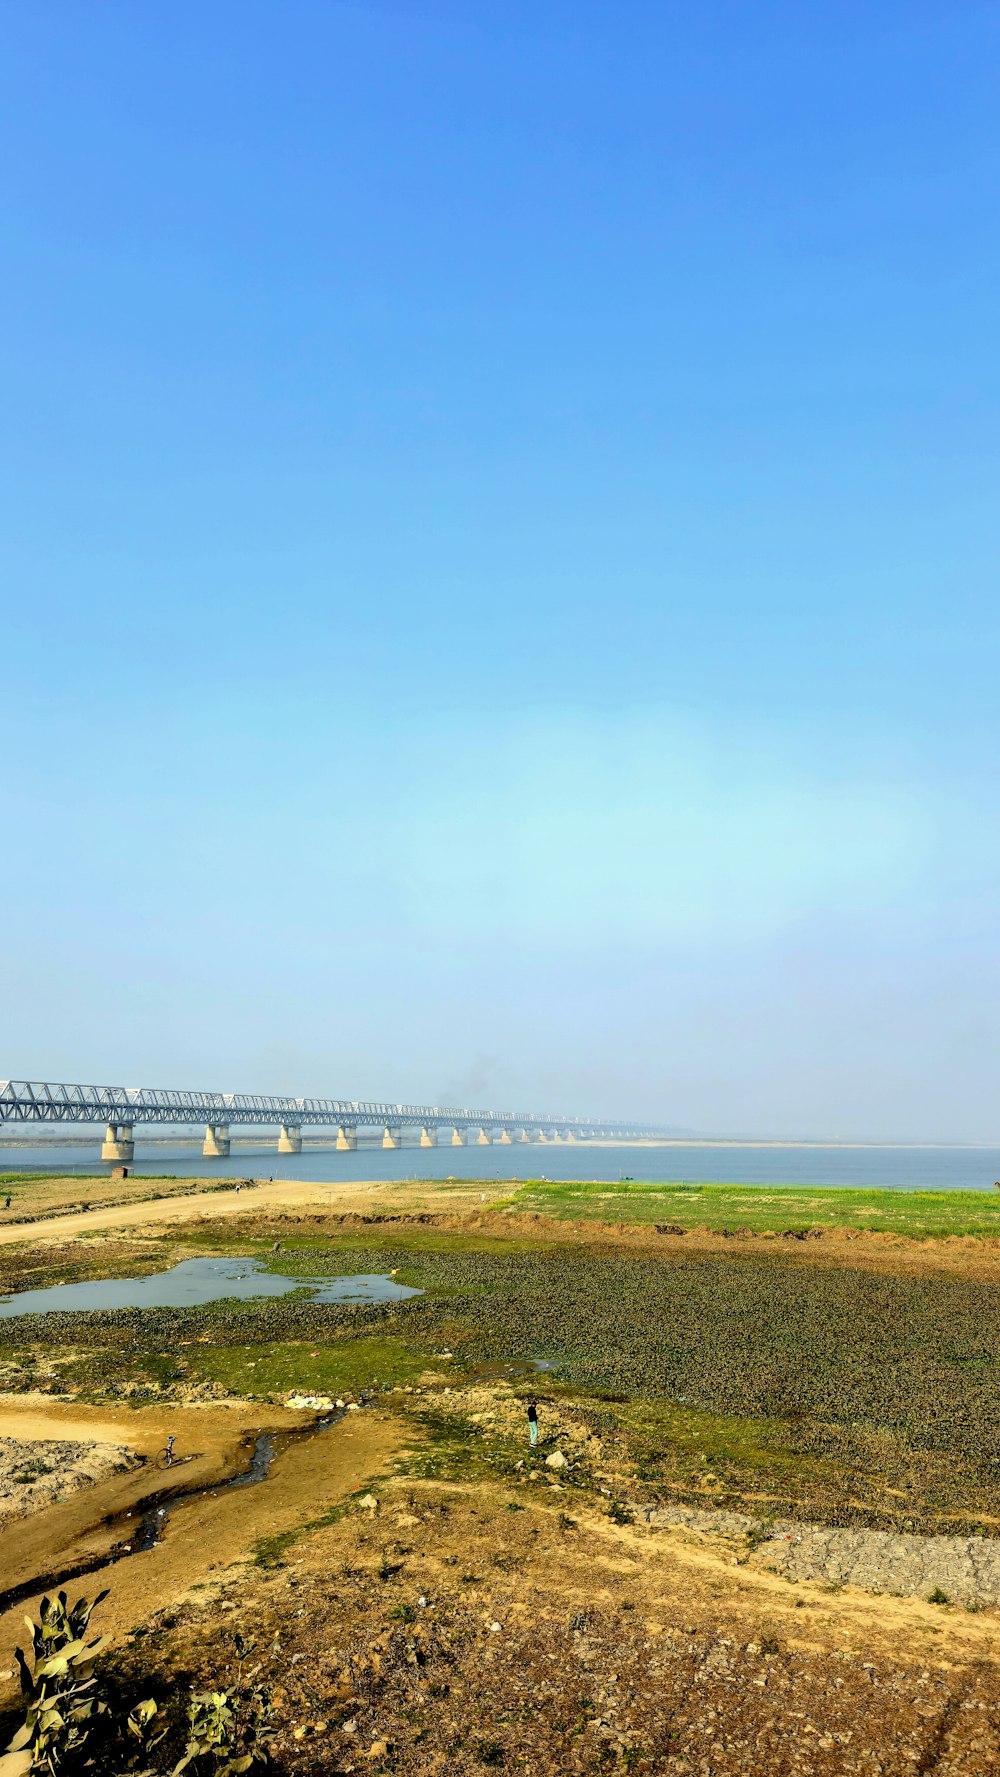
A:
{"points": [[33, 1101]]}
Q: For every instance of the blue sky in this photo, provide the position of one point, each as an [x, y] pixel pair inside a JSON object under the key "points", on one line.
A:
{"points": [[498, 558]]}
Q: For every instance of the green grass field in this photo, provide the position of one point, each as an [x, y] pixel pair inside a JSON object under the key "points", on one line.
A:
{"points": [[776, 1209]]}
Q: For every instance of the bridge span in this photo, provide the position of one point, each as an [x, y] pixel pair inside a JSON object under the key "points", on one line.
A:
{"points": [[122, 1108]]}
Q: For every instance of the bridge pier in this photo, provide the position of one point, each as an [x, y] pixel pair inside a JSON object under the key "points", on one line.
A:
{"points": [[555, 1136], [505, 1138], [484, 1139], [118, 1143], [459, 1137], [347, 1138], [216, 1143], [428, 1136], [391, 1138], [290, 1139]]}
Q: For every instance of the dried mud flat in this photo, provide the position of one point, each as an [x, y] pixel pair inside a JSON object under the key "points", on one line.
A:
{"points": [[963, 1570], [442, 1631]]}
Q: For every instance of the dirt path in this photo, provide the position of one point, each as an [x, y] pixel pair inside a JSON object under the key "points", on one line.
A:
{"points": [[283, 1194], [347, 1197], [203, 1536]]}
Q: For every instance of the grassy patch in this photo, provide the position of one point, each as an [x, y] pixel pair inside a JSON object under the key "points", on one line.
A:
{"points": [[109, 1371], [767, 1209], [695, 1452], [343, 1366]]}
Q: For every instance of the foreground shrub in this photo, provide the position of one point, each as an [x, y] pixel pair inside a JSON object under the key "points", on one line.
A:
{"points": [[76, 1722]]}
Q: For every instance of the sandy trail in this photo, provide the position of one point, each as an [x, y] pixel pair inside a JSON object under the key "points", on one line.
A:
{"points": [[203, 1536], [282, 1194], [364, 1195]]}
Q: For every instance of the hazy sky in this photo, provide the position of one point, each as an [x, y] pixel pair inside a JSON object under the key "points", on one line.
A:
{"points": [[499, 555]]}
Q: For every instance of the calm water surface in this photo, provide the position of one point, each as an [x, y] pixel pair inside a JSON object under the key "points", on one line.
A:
{"points": [[900, 1168], [195, 1281]]}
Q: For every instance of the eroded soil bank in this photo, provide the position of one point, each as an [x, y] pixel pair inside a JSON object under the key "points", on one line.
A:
{"points": [[206, 1532]]}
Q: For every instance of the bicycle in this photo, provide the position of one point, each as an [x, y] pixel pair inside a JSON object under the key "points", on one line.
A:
{"points": [[166, 1457]]}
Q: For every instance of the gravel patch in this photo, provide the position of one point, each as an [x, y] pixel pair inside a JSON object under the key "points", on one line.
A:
{"points": [[37, 1472], [966, 1569]]}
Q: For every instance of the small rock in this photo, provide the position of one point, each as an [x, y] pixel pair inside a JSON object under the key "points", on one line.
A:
{"points": [[368, 1502], [378, 1749], [495, 1628], [556, 1460]]}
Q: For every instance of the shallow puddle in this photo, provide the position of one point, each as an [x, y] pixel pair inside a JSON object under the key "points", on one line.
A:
{"points": [[196, 1281]]}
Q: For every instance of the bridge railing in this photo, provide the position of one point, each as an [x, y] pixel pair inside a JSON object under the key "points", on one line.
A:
{"points": [[38, 1101]]}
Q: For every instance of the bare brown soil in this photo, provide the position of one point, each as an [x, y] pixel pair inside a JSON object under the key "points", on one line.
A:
{"points": [[189, 1201], [36, 1471], [551, 1640]]}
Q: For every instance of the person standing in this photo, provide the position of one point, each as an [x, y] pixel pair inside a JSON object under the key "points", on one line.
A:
{"points": [[533, 1423]]}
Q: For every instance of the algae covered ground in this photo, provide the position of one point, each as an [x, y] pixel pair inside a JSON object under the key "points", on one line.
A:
{"points": [[750, 1374]]}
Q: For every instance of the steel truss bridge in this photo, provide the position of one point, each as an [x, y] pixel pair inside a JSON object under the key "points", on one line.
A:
{"points": [[121, 1108]]}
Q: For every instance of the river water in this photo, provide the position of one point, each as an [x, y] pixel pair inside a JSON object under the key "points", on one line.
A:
{"points": [[900, 1168]]}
